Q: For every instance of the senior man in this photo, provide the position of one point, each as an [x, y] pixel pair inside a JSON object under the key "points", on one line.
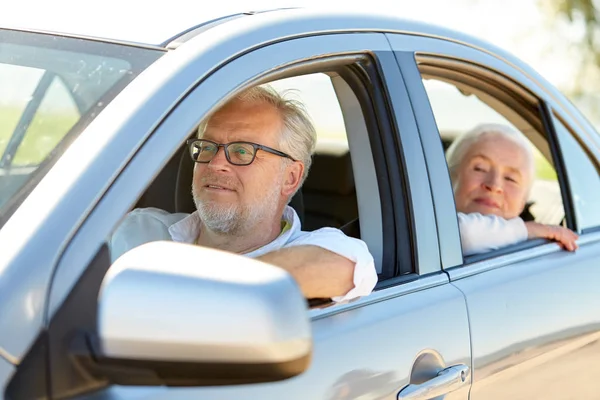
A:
{"points": [[252, 155]]}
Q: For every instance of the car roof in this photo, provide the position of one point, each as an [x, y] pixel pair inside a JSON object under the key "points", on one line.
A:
{"points": [[158, 24], [148, 23]]}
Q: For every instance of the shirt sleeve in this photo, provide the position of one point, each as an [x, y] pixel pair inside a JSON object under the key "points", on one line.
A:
{"points": [[138, 227], [482, 233], [334, 240]]}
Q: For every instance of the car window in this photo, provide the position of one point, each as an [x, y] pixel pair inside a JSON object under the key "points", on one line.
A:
{"points": [[457, 111], [329, 192], [583, 177], [55, 116], [52, 87], [329, 196]]}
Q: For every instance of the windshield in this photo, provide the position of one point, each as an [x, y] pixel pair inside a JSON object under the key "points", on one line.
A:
{"points": [[52, 87]]}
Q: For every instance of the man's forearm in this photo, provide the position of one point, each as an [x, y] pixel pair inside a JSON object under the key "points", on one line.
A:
{"points": [[320, 273]]}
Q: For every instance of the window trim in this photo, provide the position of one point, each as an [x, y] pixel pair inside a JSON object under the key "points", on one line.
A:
{"points": [[439, 176], [422, 225], [554, 116], [559, 166], [368, 87], [443, 192]]}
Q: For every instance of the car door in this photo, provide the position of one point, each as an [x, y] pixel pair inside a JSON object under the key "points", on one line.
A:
{"points": [[404, 336], [534, 310]]}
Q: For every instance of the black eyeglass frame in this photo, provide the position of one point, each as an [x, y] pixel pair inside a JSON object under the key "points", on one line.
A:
{"points": [[225, 147]]}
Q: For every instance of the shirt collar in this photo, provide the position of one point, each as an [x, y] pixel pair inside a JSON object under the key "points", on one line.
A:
{"points": [[188, 229]]}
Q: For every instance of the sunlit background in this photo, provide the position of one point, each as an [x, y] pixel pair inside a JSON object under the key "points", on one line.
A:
{"points": [[539, 32]]}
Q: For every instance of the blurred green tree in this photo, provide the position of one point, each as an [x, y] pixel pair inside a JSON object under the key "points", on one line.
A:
{"points": [[577, 22]]}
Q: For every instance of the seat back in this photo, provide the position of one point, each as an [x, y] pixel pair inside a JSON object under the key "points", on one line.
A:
{"points": [[329, 191]]}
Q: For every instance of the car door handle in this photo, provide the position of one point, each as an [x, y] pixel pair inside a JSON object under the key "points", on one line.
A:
{"points": [[446, 381]]}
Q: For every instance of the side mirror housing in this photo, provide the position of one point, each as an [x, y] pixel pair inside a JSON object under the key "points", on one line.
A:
{"points": [[179, 314]]}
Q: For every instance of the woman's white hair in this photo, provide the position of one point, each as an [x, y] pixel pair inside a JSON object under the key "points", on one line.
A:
{"points": [[298, 136], [459, 148]]}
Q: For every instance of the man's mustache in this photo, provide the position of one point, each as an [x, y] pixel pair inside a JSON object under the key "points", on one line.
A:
{"points": [[216, 180]]}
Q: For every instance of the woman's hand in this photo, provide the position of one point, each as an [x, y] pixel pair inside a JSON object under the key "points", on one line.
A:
{"points": [[564, 236]]}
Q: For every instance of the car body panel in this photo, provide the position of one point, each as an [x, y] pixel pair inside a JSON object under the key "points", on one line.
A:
{"points": [[359, 353], [529, 319], [527, 310]]}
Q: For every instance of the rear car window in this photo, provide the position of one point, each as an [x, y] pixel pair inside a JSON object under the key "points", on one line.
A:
{"points": [[52, 88]]}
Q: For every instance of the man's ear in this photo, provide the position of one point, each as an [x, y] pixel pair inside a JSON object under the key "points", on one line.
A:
{"points": [[292, 177]]}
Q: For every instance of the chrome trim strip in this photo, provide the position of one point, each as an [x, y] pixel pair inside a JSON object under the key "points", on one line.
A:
{"points": [[588, 238], [9, 358], [466, 271], [380, 295]]}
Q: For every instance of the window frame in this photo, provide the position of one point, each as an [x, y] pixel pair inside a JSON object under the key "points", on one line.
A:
{"points": [[456, 54], [556, 118]]}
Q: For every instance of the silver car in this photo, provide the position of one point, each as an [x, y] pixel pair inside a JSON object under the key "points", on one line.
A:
{"points": [[93, 124]]}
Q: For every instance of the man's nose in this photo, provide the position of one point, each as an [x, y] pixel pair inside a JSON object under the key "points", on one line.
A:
{"points": [[219, 161]]}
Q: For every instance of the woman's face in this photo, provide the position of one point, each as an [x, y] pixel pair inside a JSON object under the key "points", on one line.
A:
{"points": [[493, 178]]}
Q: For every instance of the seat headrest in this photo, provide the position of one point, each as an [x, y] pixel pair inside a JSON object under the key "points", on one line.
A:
{"points": [[184, 201], [331, 172]]}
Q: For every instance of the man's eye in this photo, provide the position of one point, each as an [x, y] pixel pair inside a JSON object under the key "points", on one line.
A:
{"points": [[478, 168], [511, 179], [241, 150], [207, 147]]}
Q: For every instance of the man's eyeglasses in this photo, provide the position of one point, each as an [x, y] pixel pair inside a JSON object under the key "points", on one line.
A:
{"points": [[237, 153]]}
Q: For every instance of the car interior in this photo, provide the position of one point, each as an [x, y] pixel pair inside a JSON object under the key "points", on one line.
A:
{"points": [[330, 195]]}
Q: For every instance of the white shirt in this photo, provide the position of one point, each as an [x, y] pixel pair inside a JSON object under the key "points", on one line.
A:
{"points": [[482, 233], [145, 225]]}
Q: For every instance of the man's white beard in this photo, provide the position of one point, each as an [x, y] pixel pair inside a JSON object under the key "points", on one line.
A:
{"points": [[235, 219]]}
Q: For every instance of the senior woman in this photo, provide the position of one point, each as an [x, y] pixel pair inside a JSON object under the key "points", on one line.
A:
{"points": [[492, 171]]}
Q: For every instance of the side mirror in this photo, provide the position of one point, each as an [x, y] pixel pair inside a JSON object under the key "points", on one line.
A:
{"points": [[178, 314]]}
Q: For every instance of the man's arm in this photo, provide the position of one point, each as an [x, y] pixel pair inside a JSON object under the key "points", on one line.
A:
{"points": [[320, 273]]}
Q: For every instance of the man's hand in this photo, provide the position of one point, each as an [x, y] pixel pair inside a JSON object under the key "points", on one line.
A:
{"points": [[320, 273], [564, 236]]}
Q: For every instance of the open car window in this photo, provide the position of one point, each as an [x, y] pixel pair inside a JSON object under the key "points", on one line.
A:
{"points": [[463, 98], [467, 110]]}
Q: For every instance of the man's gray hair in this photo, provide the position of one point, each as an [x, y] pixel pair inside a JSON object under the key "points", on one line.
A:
{"points": [[459, 148], [298, 136]]}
